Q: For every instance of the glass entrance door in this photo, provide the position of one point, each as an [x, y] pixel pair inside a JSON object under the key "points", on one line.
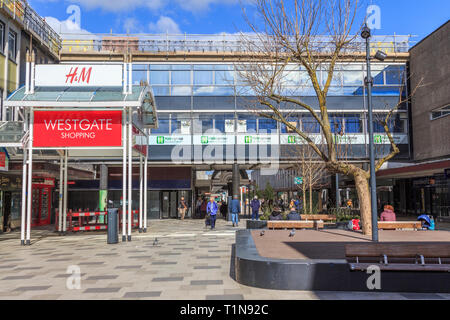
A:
{"points": [[173, 205], [165, 204]]}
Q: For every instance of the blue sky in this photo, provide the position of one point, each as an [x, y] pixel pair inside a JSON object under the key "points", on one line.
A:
{"points": [[216, 16]]}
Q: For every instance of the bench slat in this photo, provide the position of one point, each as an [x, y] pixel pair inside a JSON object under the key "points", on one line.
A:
{"points": [[399, 250], [399, 225], [294, 224], [323, 217], [401, 267]]}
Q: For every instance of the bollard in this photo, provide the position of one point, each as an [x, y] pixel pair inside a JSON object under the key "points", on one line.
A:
{"points": [[113, 226]]}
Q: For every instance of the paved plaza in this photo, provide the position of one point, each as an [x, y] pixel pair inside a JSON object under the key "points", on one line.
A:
{"points": [[188, 262]]}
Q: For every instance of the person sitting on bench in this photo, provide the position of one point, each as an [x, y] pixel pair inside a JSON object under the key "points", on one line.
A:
{"points": [[276, 214], [294, 215], [388, 213]]}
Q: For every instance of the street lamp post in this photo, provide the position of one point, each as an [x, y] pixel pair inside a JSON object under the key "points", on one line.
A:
{"points": [[365, 34]]}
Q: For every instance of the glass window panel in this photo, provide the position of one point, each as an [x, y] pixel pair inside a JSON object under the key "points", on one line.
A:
{"points": [[139, 76], [353, 124], [224, 123], [378, 77], [181, 67], [292, 120], [394, 74], [163, 127], [203, 67], [267, 125], [352, 78], [12, 47], [203, 77], [159, 67], [181, 91], [181, 77], [159, 77], [310, 125], [213, 91], [140, 67], [161, 91], [203, 124], [181, 124], [223, 67], [224, 78], [246, 123]]}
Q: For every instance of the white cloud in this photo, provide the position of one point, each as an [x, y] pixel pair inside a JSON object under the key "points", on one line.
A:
{"points": [[154, 5], [165, 25], [68, 29]]}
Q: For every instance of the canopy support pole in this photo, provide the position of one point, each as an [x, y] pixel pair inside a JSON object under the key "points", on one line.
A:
{"points": [[30, 178], [24, 197], [124, 175], [65, 191], [130, 170], [145, 183], [141, 187], [61, 177]]}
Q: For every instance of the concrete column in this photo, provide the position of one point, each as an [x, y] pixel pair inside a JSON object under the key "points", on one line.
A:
{"points": [[236, 180]]}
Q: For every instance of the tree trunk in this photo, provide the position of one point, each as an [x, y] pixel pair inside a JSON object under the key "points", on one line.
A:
{"points": [[362, 188], [304, 198]]}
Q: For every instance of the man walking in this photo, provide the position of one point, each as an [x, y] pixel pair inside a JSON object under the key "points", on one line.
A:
{"points": [[255, 205], [182, 207], [211, 212], [235, 209]]}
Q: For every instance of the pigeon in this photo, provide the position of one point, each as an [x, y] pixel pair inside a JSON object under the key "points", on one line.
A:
{"points": [[262, 233], [155, 243], [292, 233]]}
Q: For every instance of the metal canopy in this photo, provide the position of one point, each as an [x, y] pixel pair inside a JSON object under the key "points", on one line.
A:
{"points": [[141, 97]]}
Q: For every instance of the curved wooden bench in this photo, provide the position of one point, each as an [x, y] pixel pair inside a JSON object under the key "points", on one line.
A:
{"points": [[286, 224], [318, 217], [395, 225]]}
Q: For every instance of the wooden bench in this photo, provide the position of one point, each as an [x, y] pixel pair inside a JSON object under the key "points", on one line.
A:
{"points": [[395, 225], [399, 256], [286, 224], [318, 217]]}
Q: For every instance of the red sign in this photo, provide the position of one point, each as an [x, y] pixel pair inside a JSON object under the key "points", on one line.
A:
{"points": [[84, 76], [77, 129]]}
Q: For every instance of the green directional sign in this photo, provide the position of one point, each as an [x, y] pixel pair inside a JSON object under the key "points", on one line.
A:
{"points": [[204, 140], [292, 139], [298, 180], [248, 139], [160, 140]]}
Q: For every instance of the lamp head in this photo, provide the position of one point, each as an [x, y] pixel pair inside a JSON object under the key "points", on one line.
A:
{"points": [[365, 32], [380, 55]]}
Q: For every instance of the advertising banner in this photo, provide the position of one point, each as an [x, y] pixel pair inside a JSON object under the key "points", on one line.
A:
{"points": [[4, 161], [69, 75], [77, 129]]}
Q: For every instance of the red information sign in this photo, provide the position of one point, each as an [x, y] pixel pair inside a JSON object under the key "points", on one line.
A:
{"points": [[77, 129]]}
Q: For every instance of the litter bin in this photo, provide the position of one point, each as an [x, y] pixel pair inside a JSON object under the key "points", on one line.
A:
{"points": [[113, 226]]}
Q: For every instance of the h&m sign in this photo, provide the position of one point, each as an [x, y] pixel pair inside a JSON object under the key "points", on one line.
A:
{"points": [[69, 75]]}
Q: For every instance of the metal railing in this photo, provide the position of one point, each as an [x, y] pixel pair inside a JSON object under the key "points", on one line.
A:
{"points": [[223, 43], [25, 14]]}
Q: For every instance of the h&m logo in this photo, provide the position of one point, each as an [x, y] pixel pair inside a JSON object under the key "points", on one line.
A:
{"points": [[83, 77]]}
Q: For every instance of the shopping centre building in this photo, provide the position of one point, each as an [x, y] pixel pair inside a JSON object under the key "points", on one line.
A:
{"points": [[210, 138]]}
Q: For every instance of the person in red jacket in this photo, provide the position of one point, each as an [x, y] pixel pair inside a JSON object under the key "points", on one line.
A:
{"points": [[388, 213]]}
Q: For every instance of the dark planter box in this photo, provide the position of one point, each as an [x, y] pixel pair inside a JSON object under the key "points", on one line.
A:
{"points": [[256, 224]]}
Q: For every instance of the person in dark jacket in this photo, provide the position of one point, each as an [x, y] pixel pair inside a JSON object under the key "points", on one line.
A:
{"points": [[235, 209], [223, 209], [255, 205], [294, 215], [276, 214]]}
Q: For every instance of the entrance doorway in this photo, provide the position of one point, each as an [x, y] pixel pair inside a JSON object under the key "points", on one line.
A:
{"points": [[41, 208], [169, 205], [6, 223]]}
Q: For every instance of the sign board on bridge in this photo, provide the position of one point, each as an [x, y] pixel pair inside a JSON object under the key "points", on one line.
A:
{"points": [[298, 180]]}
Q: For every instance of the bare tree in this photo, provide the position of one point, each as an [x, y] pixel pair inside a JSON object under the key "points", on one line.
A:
{"points": [[310, 36]]}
